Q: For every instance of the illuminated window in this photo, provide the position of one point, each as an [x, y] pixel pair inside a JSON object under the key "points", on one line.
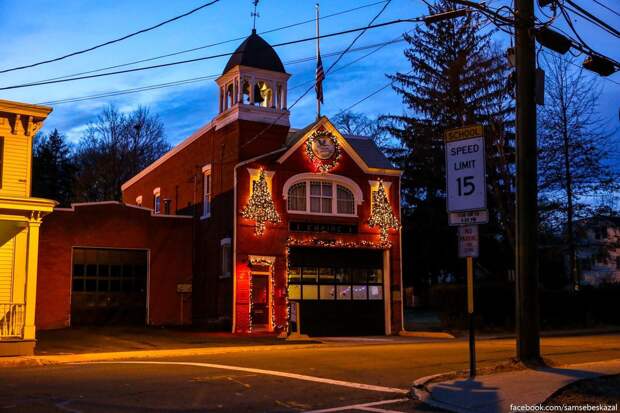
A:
{"points": [[297, 197], [263, 94], [157, 200], [206, 181], [321, 197], [335, 283], [345, 200], [324, 197]]}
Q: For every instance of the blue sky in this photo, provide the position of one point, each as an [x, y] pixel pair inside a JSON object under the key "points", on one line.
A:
{"points": [[49, 29]]}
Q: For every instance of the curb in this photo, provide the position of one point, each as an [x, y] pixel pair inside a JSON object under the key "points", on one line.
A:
{"points": [[419, 390], [36, 361], [554, 333], [425, 334]]}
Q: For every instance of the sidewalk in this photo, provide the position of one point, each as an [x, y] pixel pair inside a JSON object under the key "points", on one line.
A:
{"points": [[74, 345], [107, 339], [496, 392]]}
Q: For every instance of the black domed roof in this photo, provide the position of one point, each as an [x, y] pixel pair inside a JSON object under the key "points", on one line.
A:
{"points": [[255, 52]]}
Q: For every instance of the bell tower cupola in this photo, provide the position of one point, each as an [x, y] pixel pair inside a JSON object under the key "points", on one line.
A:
{"points": [[253, 85]]}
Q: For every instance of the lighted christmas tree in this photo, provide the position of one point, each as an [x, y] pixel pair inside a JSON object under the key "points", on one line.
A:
{"points": [[260, 207], [382, 215]]}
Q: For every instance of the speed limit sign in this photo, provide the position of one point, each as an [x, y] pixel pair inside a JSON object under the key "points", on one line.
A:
{"points": [[465, 169]]}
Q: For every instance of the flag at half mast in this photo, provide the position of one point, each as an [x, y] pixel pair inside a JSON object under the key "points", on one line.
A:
{"points": [[320, 76]]}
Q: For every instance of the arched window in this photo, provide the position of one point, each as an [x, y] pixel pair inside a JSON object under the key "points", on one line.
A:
{"points": [[265, 94], [245, 88], [230, 96], [345, 200], [307, 195], [297, 197]]}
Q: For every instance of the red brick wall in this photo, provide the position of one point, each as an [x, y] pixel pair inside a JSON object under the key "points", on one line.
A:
{"points": [[180, 179], [274, 240], [112, 225]]}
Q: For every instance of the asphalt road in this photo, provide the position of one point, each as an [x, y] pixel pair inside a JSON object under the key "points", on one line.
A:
{"points": [[372, 374]]}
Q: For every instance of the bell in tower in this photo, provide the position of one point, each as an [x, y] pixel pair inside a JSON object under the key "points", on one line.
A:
{"points": [[253, 85]]}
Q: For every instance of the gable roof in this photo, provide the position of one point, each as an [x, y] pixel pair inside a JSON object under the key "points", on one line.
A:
{"points": [[362, 149]]}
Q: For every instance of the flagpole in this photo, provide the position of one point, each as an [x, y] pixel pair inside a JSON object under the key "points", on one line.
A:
{"points": [[318, 54]]}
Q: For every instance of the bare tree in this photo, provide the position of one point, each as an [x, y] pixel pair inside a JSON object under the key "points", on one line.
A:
{"points": [[573, 160], [353, 123], [114, 148]]}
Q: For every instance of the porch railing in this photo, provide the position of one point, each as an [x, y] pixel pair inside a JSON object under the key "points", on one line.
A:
{"points": [[12, 317]]}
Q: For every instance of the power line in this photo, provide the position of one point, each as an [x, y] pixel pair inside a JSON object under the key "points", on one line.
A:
{"points": [[545, 51], [593, 19], [581, 45], [396, 40], [370, 25], [112, 41], [376, 46], [606, 7], [206, 46], [198, 59], [369, 96]]}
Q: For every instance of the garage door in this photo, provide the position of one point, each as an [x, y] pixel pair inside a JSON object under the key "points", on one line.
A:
{"points": [[340, 290], [109, 287]]}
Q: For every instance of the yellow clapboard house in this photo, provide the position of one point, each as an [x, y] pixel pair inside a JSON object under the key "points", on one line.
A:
{"points": [[20, 218]]}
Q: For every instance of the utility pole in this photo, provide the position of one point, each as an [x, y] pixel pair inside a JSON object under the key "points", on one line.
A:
{"points": [[528, 339]]}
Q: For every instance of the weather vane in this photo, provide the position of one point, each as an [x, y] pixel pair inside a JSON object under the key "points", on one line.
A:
{"points": [[254, 14]]}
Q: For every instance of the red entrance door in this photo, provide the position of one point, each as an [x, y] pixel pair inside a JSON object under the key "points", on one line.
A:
{"points": [[260, 300]]}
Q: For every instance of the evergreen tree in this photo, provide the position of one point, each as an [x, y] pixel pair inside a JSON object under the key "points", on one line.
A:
{"points": [[457, 77], [53, 168]]}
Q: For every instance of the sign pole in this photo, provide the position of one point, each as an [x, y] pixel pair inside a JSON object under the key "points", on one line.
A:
{"points": [[467, 206], [470, 312]]}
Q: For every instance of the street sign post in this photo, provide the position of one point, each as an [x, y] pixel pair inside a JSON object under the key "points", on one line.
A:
{"points": [[469, 247], [466, 205], [469, 243], [465, 169]]}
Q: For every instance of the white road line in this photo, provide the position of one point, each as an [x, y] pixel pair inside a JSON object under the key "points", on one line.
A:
{"points": [[363, 406], [295, 376]]}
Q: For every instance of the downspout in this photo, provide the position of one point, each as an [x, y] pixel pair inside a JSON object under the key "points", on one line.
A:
{"points": [[234, 267]]}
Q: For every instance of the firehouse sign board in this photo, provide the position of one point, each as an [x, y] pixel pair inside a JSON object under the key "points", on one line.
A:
{"points": [[465, 169], [469, 245]]}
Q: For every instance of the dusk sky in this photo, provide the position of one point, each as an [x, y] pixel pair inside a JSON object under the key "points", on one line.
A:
{"points": [[47, 29]]}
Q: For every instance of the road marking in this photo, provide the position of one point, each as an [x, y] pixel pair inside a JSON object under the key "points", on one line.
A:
{"points": [[360, 386], [369, 407]]}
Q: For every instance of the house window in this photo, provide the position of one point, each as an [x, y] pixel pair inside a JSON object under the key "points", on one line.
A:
{"points": [[157, 200], [345, 200], [1, 158], [206, 202], [226, 257], [335, 283], [321, 197], [297, 197]]}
